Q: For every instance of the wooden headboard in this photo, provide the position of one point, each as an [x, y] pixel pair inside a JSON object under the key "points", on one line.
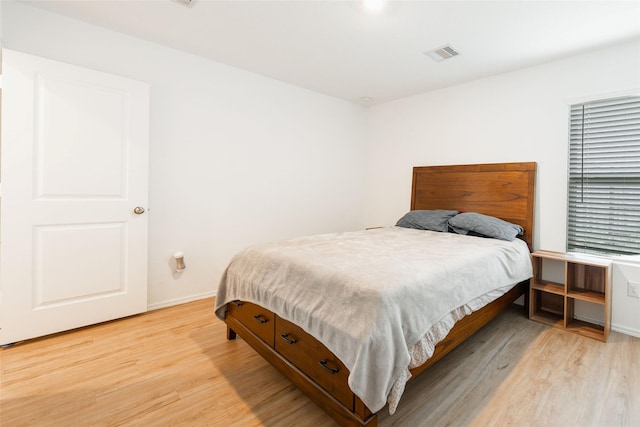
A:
{"points": [[503, 190]]}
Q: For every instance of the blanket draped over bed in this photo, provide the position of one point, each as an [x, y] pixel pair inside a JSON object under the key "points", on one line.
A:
{"points": [[378, 298]]}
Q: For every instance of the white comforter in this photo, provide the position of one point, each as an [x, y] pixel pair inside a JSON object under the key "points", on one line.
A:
{"points": [[378, 299]]}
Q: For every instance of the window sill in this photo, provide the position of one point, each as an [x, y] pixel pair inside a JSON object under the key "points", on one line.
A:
{"points": [[627, 259]]}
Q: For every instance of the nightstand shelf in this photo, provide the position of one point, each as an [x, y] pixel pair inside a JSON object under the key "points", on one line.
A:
{"points": [[548, 318], [550, 287], [559, 281], [588, 296]]}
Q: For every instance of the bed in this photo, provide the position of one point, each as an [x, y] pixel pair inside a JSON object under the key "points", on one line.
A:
{"points": [[351, 342]]}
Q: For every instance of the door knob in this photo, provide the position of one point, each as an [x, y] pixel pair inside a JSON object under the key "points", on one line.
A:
{"points": [[138, 210]]}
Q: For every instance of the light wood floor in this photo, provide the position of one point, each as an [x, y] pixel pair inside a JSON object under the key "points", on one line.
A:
{"points": [[174, 367]]}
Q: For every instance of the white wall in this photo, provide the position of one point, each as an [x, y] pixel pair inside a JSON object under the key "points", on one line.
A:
{"points": [[518, 116], [235, 158]]}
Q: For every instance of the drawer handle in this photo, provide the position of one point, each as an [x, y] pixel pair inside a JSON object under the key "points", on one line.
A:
{"points": [[237, 303], [260, 319], [332, 371], [287, 339]]}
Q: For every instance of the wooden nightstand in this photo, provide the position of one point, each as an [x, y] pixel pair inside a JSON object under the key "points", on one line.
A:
{"points": [[562, 281]]}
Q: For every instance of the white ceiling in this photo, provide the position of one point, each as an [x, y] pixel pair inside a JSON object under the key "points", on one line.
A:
{"points": [[336, 48]]}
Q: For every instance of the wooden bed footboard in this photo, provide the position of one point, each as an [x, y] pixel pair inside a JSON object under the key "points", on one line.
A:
{"points": [[260, 329]]}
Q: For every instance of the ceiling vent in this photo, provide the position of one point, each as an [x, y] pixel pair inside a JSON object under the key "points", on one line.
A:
{"points": [[442, 53]]}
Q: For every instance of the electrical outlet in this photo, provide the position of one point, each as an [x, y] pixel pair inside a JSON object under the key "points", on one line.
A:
{"points": [[633, 289]]}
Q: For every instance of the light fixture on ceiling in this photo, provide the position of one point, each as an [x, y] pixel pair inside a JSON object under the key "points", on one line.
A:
{"points": [[442, 53], [374, 6], [366, 99], [188, 3]]}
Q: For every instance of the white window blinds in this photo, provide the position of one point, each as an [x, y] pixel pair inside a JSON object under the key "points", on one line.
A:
{"points": [[604, 177]]}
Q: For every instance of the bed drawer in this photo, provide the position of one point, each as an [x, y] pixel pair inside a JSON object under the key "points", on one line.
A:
{"points": [[258, 320], [314, 359]]}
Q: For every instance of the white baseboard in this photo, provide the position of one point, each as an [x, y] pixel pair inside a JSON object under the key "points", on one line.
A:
{"points": [[181, 300], [625, 330]]}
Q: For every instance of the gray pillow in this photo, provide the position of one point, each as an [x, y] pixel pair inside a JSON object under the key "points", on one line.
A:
{"points": [[435, 220], [484, 225]]}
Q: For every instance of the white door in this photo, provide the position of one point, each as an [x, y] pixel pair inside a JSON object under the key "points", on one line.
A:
{"points": [[73, 169]]}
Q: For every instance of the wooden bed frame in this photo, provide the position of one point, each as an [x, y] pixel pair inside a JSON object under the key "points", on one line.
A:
{"points": [[503, 190]]}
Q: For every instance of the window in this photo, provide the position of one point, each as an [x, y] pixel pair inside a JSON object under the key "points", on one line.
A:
{"points": [[604, 177]]}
